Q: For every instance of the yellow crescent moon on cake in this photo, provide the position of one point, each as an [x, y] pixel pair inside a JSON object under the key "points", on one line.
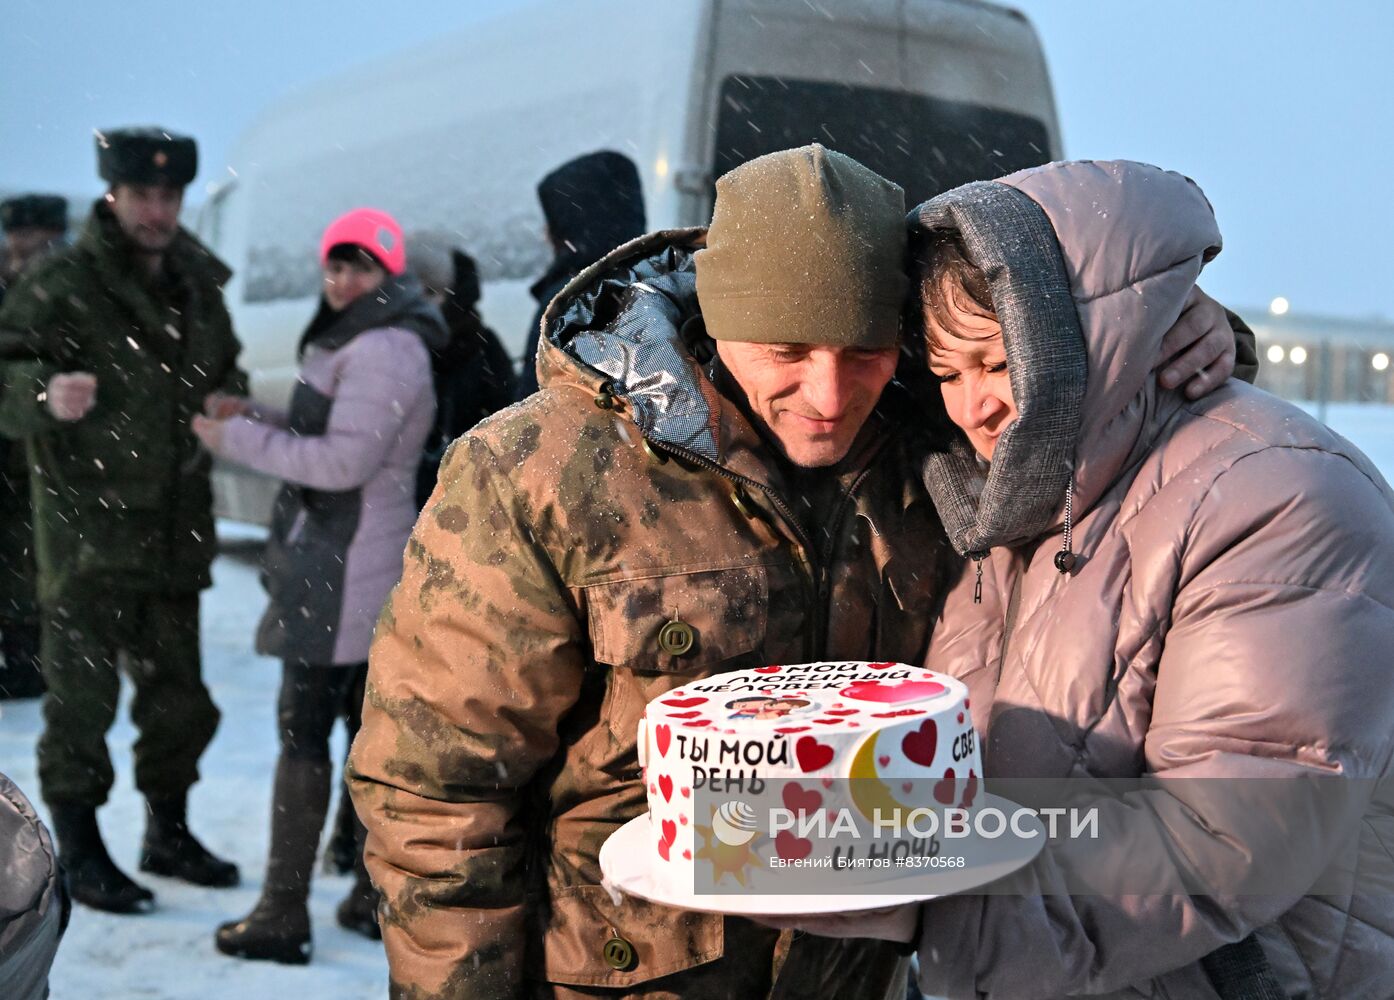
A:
{"points": [[868, 791]]}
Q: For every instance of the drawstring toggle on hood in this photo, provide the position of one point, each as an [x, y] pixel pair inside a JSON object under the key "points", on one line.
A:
{"points": [[1065, 560]]}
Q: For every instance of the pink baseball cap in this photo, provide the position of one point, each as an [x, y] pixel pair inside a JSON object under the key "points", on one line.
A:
{"points": [[374, 231]]}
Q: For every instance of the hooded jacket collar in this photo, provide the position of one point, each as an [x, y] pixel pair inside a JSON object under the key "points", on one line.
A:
{"points": [[399, 302], [1089, 264]]}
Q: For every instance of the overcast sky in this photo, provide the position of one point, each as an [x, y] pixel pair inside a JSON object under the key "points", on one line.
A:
{"points": [[1279, 109]]}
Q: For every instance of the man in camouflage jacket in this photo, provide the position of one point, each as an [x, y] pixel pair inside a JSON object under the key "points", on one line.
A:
{"points": [[107, 349], [515, 659], [708, 480]]}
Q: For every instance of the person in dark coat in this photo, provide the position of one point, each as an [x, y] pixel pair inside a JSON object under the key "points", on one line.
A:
{"points": [[592, 204], [34, 225], [107, 349], [472, 372]]}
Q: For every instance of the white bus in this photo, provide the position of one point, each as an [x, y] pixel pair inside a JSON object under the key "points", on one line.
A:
{"points": [[452, 137]]}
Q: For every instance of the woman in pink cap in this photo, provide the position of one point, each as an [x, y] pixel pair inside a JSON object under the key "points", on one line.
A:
{"points": [[347, 451]]}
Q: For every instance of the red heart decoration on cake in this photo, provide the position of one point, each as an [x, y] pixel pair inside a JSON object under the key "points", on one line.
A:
{"points": [[907, 787], [855, 725], [883, 760], [682, 819], [879, 666], [967, 703], [670, 834], [971, 791], [665, 785], [899, 713], [946, 788], [653, 789], [890, 694], [683, 715], [843, 711], [793, 729], [827, 722], [920, 745], [687, 855], [686, 792], [662, 736], [798, 799], [827, 782], [960, 718], [792, 848], [767, 670], [696, 724], [684, 702], [811, 754]]}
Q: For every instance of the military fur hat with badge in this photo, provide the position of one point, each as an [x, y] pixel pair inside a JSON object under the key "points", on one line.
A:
{"points": [[148, 155]]}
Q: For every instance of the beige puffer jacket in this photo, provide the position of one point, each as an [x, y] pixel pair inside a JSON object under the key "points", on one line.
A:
{"points": [[1228, 619]]}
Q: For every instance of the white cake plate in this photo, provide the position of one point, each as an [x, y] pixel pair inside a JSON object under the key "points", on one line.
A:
{"points": [[626, 861]]}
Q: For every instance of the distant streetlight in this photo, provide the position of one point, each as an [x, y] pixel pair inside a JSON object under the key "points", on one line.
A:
{"points": [[1275, 354], [1380, 361], [1298, 355], [1278, 306]]}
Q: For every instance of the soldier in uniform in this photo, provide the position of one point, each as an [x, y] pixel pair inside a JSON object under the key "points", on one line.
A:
{"points": [[33, 225], [107, 350], [717, 473]]}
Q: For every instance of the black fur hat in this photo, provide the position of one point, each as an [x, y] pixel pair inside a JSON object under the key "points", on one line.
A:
{"points": [[146, 156], [39, 211]]}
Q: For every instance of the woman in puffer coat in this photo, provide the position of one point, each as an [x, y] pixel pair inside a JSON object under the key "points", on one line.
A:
{"points": [[1196, 594], [347, 451]]}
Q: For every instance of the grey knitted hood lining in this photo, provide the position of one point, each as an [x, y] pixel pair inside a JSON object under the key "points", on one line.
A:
{"points": [[1017, 497]]}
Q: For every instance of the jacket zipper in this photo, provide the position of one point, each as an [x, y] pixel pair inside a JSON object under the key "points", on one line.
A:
{"points": [[814, 560]]}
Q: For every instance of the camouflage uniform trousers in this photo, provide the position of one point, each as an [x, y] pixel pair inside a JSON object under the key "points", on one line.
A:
{"points": [[171, 707]]}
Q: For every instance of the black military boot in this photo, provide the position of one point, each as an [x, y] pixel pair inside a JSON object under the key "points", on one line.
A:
{"points": [[93, 878], [278, 928], [170, 849], [358, 912]]}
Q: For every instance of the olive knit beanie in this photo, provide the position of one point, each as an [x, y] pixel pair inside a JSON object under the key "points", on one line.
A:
{"points": [[806, 246]]}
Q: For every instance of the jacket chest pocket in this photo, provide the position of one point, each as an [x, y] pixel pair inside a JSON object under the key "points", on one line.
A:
{"points": [[691, 623], [653, 634]]}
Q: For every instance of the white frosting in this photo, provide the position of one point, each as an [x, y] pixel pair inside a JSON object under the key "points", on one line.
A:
{"points": [[904, 731]]}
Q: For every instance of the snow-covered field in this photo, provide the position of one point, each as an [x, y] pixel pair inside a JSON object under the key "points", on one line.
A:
{"points": [[169, 954]]}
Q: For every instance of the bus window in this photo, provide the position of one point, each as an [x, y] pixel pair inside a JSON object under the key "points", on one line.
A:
{"points": [[924, 144]]}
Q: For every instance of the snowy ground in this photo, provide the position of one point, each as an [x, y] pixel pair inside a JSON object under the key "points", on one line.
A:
{"points": [[170, 954]]}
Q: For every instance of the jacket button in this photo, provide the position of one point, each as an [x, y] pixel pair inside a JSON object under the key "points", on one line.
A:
{"points": [[654, 453], [605, 401], [619, 954], [676, 638], [742, 503]]}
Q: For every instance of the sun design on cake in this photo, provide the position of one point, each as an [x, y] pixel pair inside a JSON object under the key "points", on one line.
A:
{"points": [[727, 859]]}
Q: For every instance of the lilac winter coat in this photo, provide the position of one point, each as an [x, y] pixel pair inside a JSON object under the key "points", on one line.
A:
{"points": [[348, 452], [1226, 630]]}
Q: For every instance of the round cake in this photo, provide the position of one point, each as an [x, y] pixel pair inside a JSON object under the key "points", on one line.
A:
{"points": [[752, 773]]}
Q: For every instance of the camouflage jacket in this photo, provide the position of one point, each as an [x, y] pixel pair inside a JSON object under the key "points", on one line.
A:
{"points": [[122, 496], [516, 656]]}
